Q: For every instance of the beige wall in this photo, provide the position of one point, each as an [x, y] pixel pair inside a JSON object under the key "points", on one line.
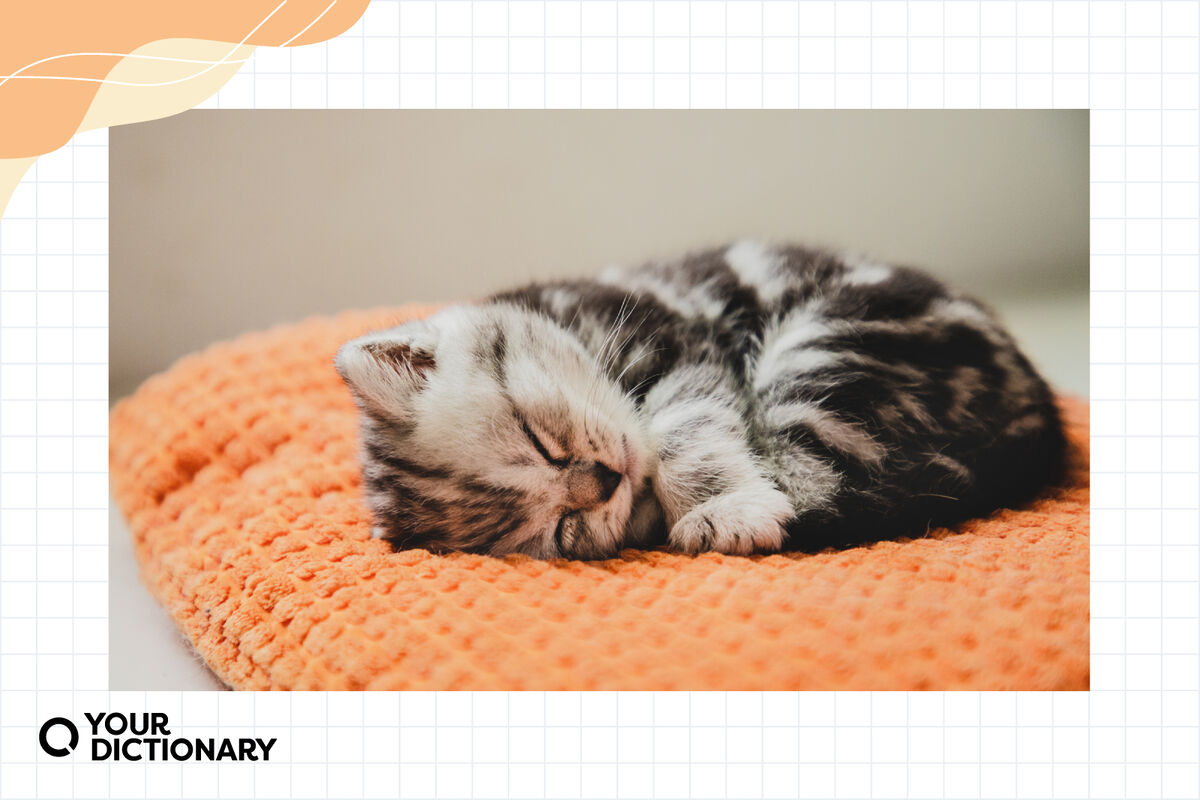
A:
{"points": [[225, 221]]}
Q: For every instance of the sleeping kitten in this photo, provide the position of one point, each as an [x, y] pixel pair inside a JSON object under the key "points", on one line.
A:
{"points": [[741, 400]]}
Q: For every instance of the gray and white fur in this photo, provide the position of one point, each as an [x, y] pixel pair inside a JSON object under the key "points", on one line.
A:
{"points": [[744, 400]]}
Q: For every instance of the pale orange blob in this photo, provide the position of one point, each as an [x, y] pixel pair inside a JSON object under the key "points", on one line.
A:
{"points": [[54, 56]]}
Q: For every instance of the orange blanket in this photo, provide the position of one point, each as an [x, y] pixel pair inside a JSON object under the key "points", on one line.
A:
{"points": [[237, 472]]}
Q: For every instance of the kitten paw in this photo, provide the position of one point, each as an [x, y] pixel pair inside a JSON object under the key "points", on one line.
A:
{"points": [[738, 523]]}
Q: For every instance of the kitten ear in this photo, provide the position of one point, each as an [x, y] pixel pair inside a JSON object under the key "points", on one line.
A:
{"points": [[384, 369]]}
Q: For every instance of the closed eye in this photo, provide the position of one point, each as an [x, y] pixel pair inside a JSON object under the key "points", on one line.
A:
{"points": [[541, 448]]}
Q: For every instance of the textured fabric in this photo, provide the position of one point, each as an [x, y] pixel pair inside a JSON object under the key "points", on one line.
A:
{"points": [[238, 474]]}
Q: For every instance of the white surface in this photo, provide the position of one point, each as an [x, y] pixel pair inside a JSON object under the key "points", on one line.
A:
{"points": [[1053, 333], [146, 651]]}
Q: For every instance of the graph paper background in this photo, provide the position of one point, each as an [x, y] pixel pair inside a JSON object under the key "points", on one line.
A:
{"points": [[1135, 734]]}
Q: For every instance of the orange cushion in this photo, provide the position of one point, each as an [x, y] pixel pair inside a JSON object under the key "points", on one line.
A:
{"points": [[238, 474]]}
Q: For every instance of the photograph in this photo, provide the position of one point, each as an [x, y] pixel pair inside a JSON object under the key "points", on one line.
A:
{"points": [[594, 399], [588, 400], [640, 399]]}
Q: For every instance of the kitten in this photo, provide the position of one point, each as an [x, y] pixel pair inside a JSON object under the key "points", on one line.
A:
{"points": [[742, 400]]}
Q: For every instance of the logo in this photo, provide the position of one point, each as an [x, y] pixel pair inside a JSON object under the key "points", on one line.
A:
{"points": [[145, 736], [44, 736]]}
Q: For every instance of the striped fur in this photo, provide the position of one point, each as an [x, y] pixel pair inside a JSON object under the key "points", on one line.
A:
{"points": [[747, 399]]}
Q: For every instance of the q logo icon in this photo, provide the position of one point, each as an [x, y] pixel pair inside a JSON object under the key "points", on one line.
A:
{"points": [[58, 752]]}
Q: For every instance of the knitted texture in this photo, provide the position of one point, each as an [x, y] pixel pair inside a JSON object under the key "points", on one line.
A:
{"points": [[238, 474]]}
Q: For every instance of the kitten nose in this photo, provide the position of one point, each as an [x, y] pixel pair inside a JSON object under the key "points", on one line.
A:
{"points": [[608, 479], [592, 484]]}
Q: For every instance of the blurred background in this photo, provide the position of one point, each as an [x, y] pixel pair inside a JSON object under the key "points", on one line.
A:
{"points": [[229, 221]]}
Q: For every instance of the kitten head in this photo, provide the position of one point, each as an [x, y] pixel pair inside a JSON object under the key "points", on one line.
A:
{"points": [[491, 429]]}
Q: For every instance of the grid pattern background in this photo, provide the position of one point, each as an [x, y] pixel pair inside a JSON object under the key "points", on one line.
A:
{"points": [[1137, 64]]}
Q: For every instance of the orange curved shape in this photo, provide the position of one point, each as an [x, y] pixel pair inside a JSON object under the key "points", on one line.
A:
{"points": [[237, 470], [55, 54]]}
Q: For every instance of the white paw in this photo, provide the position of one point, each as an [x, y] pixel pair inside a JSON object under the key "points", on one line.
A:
{"points": [[741, 522]]}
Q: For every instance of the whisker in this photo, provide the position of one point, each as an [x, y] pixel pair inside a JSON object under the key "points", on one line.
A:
{"points": [[635, 362], [606, 355]]}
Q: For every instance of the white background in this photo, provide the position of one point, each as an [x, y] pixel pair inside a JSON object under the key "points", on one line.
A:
{"points": [[1134, 734]]}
